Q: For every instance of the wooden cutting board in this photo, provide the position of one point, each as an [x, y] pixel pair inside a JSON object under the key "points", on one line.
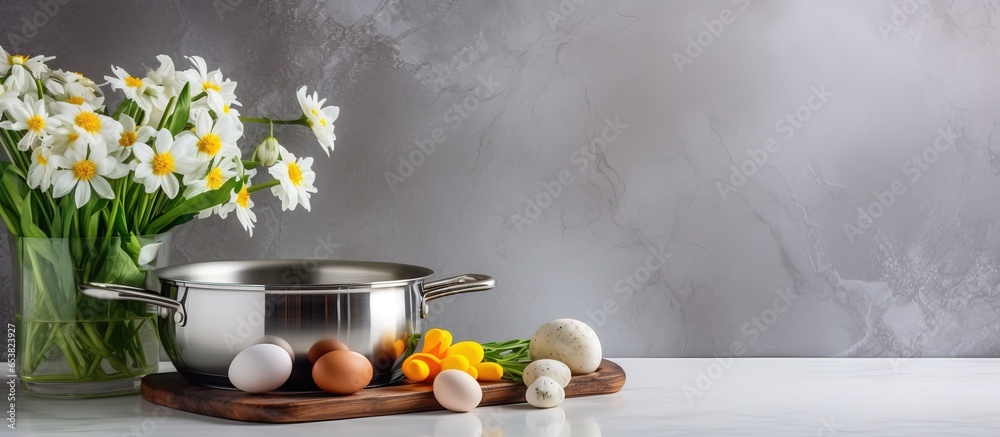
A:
{"points": [[172, 390]]}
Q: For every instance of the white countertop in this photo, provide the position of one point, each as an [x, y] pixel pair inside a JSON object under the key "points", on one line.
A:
{"points": [[662, 396]]}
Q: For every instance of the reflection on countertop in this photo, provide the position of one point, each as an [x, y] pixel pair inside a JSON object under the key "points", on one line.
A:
{"points": [[662, 396]]}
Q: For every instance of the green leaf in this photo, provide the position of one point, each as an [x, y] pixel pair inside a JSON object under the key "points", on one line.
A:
{"points": [[69, 213], [56, 227], [8, 167], [28, 227], [193, 206], [119, 224], [9, 219], [11, 197], [137, 114], [94, 225], [120, 268], [512, 355], [128, 103], [182, 108], [133, 247], [13, 192]]}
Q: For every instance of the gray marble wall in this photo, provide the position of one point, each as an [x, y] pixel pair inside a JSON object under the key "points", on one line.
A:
{"points": [[693, 178]]}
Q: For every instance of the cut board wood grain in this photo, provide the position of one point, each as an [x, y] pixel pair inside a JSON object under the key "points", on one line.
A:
{"points": [[172, 390]]}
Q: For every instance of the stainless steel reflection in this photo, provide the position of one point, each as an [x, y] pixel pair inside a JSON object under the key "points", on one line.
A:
{"points": [[212, 311]]}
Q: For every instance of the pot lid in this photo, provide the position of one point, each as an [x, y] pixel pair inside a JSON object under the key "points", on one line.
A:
{"points": [[292, 274]]}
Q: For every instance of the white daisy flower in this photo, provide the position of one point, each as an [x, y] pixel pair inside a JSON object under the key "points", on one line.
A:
{"points": [[7, 98], [166, 76], [212, 142], [224, 209], [56, 81], [217, 112], [22, 70], [132, 134], [142, 91], [319, 118], [227, 110], [83, 170], [212, 178], [30, 115], [63, 139], [93, 128], [159, 167], [296, 181], [244, 205], [75, 88], [219, 90], [95, 101], [41, 169]]}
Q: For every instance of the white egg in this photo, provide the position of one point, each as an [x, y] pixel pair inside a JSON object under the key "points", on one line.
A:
{"points": [[260, 368], [552, 368], [457, 390], [545, 392], [570, 341], [278, 341]]}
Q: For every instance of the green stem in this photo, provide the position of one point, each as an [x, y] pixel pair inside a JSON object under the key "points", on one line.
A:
{"points": [[62, 339], [513, 356], [268, 184], [300, 121]]}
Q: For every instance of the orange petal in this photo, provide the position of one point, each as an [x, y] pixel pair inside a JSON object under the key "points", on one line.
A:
{"points": [[416, 370], [436, 342], [489, 371], [457, 362], [433, 365], [469, 349]]}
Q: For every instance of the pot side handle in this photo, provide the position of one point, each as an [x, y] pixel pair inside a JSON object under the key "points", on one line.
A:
{"points": [[104, 291], [454, 285]]}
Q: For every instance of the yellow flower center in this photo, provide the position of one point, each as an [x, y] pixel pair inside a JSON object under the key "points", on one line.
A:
{"points": [[215, 179], [36, 123], [210, 144], [225, 108], [322, 122], [243, 197], [16, 59], [163, 164], [73, 136], [42, 160], [75, 100], [88, 121], [85, 170], [294, 174], [210, 86], [133, 82], [315, 112], [127, 139]]}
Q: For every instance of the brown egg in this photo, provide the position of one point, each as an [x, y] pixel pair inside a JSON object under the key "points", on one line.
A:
{"points": [[322, 347], [342, 372]]}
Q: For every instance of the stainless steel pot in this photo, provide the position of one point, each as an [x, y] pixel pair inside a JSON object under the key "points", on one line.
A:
{"points": [[213, 310]]}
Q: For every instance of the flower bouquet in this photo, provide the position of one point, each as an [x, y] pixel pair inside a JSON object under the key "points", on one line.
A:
{"points": [[89, 194]]}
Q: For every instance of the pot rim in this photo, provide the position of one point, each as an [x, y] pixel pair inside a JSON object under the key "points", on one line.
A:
{"points": [[292, 275]]}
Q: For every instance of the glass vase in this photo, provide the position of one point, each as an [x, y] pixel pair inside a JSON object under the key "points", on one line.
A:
{"points": [[72, 345]]}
